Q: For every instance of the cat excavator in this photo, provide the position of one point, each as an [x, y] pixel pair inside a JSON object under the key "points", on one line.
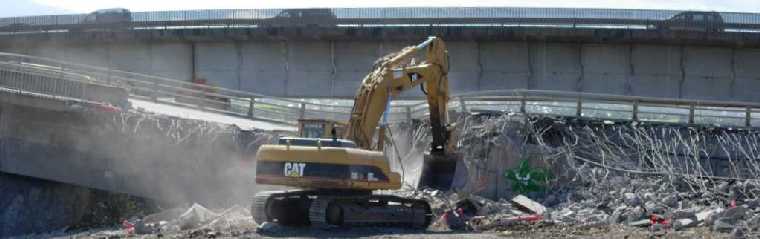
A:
{"points": [[336, 176]]}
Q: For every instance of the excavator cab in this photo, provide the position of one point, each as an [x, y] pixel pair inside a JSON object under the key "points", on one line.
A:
{"points": [[320, 128]]}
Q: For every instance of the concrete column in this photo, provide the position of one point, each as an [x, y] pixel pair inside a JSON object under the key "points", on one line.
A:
{"points": [[333, 69], [732, 87], [682, 65], [543, 61], [239, 70], [480, 66], [194, 62], [531, 74], [581, 68], [631, 71], [286, 60]]}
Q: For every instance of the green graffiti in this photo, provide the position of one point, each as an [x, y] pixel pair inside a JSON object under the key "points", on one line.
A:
{"points": [[526, 179]]}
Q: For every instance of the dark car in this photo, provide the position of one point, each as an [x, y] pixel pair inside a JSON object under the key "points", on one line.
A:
{"points": [[16, 27], [109, 16], [693, 21], [104, 20], [317, 17]]}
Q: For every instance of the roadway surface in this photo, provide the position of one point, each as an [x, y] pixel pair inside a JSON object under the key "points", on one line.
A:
{"points": [[187, 113]]}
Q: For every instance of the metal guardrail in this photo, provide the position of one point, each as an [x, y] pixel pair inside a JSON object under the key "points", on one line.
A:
{"points": [[159, 89], [614, 107], [374, 17], [20, 71]]}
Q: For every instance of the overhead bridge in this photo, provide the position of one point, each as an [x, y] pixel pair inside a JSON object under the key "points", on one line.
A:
{"points": [[645, 53]]}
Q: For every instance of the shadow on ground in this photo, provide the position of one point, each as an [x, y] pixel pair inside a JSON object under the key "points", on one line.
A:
{"points": [[288, 232]]}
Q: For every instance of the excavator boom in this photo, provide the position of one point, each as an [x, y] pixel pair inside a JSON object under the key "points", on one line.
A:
{"points": [[394, 74]]}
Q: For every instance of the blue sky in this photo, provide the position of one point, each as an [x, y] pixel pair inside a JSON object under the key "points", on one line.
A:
{"points": [[43, 7]]}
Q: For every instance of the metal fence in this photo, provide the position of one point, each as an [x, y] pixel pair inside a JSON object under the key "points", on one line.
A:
{"points": [[374, 17], [60, 78]]}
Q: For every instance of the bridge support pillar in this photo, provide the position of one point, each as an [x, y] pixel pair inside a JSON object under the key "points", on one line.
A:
{"points": [[692, 108], [635, 111], [408, 114], [748, 117], [251, 107], [302, 114]]}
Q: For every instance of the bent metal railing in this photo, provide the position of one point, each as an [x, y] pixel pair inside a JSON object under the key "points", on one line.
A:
{"points": [[34, 73]]}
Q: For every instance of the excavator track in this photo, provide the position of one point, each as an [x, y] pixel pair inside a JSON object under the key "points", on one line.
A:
{"points": [[258, 208], [284, 207], [326, 209], [371, 210]]}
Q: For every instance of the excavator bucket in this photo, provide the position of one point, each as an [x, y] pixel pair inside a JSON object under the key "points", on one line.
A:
{"points": [[439, 171]]}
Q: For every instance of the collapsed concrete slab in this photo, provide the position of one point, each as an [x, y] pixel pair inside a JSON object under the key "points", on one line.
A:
{"points": [[528, 204]]}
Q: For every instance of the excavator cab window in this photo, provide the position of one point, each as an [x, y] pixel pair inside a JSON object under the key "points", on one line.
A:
{"points": [[313, 130]]}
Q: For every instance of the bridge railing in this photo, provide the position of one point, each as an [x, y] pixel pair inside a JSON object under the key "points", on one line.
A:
{"points": [[613, 107], [378, 17], [162, 90]]}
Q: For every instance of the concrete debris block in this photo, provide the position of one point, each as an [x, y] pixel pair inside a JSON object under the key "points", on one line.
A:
{"points": [[730, 219], [199, 233], [723, 225], [529, 205], [754, 222], [634, 214], [489, 207], [565, 215], [141, 227], [501, 222], [195, 216], [681, 214], [722, 187], [268, 227], [234, 218], [654, 208], [597, 219], [109, 234], [735, 213], [649, 196], [641, 223], [682, 223], [631, 199], [707, 215], [670, 200], [165, 215], [617, 215], [739, 232], [659, 229]]}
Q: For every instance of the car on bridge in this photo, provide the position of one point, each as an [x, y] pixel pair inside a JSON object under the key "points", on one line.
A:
{"points": [[105, 19], [16, 27], [315, 17], [108, 16], [693, 21]]}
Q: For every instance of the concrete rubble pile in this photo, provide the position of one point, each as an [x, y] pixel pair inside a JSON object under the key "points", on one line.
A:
{"points": [[194, 221], [663, 178]]}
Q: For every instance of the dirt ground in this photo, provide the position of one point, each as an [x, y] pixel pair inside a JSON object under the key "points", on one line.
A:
{"points": [[538, 231]]}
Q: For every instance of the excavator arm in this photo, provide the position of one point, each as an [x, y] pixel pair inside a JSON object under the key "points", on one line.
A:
{"points": [[394, 74]]}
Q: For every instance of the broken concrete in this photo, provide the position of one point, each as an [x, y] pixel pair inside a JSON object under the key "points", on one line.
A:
{"points": [[528, 204], [600, 175]]}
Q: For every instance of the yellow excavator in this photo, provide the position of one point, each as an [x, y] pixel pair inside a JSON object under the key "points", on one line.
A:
{"points": [[337, 175]]}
